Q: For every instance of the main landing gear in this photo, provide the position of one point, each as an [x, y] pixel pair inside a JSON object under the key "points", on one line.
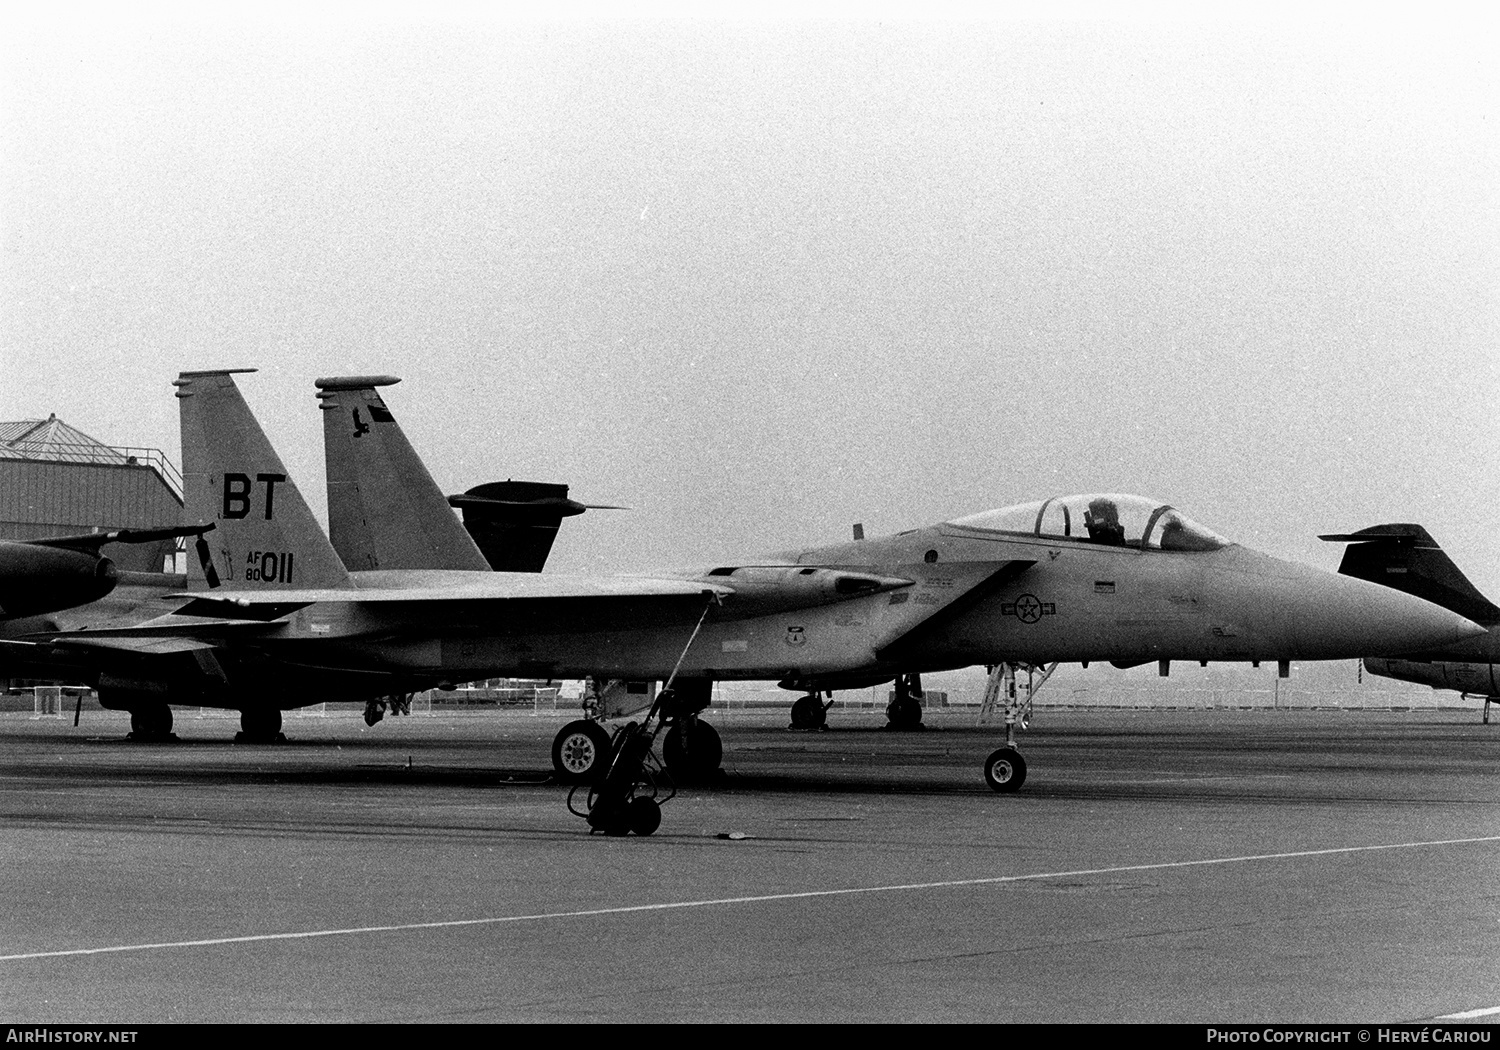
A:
{"points": [[810, 712], [1005, 769], [260, 725], [691, 749], [151, 724], [396, 703], [905, 709]]}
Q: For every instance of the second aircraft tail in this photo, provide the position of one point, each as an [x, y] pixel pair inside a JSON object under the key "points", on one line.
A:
{"points": [[384, 509], [1406, 558]]}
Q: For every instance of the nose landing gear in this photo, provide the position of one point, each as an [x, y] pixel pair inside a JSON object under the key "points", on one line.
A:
{"points": [[1005, 769]]}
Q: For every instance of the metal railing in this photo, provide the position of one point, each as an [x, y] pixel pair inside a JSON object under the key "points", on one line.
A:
{"points": [[103, 455]]}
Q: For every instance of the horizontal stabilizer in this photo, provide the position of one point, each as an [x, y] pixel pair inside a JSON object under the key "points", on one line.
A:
{"points": [[515, 522], [92, 541], [1395, 532]]}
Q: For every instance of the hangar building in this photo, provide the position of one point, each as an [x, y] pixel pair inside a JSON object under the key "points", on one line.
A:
{"points": [[56, 480]]}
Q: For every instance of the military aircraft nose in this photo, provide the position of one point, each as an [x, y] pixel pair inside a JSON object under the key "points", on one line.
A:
{"points": [[1339, 617]]}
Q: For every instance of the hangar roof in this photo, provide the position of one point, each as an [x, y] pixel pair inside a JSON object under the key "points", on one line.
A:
{"points": [[51, 440]]}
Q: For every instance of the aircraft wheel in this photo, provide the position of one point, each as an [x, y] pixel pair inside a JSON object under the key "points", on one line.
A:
{"points": [[580, 752], [692, 750], [259, 725], [808, 713], [644, 815], [904, 712], [1005, 770], [151, 723]]}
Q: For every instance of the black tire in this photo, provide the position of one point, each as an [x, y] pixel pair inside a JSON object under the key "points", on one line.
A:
{"points": [[151, 723], [1005, 770], [808, 712], [260, 725], [693, 750], [580, 752], [904, 712], [644, 815]]}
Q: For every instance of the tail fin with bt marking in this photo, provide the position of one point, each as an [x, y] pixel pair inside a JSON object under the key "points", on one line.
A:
{"points": [[265, 537]]}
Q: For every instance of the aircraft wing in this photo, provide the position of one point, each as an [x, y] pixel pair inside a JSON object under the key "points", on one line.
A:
{"points": [[152, 645], [380, 588], [24, 659]]}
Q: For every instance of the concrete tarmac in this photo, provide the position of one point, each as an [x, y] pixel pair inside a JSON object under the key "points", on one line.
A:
{"points": [[1200, 866]]}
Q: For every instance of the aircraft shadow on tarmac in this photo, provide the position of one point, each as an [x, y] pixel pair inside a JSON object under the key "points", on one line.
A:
{"points": [[1315, 761]]}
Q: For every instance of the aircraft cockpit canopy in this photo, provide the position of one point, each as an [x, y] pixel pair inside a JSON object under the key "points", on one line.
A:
{"points": [[1108, 519]]}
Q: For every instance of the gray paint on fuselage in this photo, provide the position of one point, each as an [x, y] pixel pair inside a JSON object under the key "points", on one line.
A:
{"points": [[1076, 600]]}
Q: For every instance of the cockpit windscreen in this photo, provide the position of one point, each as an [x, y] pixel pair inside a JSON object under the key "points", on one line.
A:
{"points": [[1107, 519]]}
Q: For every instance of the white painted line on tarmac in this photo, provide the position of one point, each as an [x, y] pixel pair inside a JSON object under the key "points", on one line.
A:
{"points": [[1469, 1015], [627, 909]]}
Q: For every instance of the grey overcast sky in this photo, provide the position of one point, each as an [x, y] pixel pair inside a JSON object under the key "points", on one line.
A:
{"points": [[763, 279]]}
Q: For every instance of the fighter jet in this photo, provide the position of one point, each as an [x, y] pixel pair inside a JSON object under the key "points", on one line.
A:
{"points": [[386, 512], [274, 620], [1406, 558]]}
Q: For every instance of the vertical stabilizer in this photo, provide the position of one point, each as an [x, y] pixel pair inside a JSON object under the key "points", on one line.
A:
{"points": [[265, 537], [384, 509], [1405, 557]]}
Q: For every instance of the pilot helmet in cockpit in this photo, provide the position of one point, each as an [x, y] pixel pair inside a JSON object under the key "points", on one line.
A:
{"points": [[1102, 519]]}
